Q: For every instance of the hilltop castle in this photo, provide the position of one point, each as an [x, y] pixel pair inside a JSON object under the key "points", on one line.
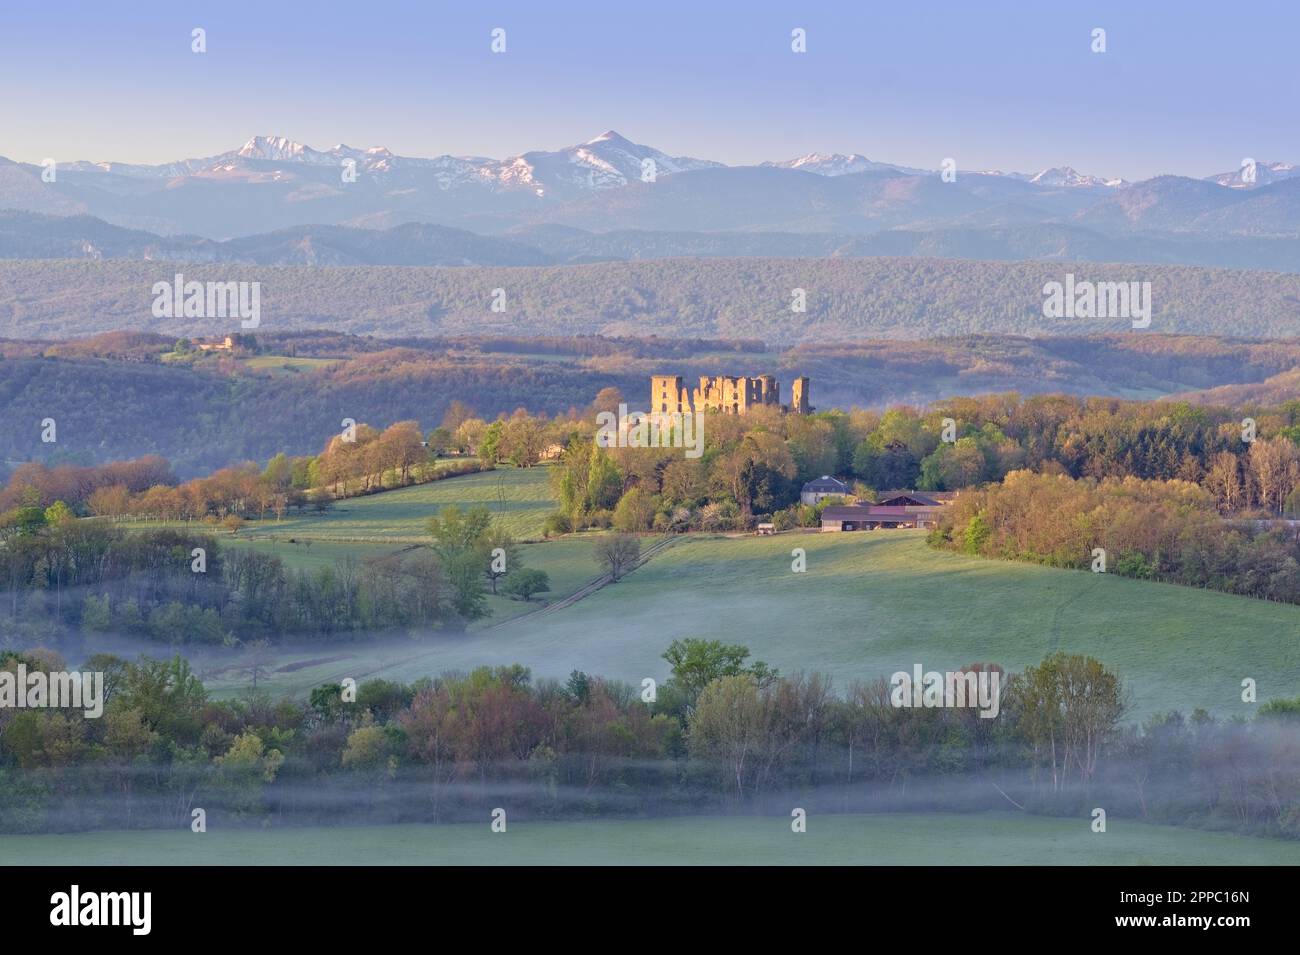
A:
{"points": [[726, 394]]}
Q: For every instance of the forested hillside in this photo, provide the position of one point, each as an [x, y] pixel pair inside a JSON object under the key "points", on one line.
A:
{"points": [[727, 298], [120, 396]]}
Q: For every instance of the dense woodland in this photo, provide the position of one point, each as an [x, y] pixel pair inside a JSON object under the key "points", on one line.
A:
{"points": [[107, 410], [724, 733], [754, 465], [847, 298], [1151, 530]]}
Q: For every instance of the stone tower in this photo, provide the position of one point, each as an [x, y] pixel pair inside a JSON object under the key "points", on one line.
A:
{"points": [[667, 393], [799, 396]]}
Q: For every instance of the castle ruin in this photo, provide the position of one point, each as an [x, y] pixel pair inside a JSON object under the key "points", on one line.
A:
{"points": [[726, 394]]}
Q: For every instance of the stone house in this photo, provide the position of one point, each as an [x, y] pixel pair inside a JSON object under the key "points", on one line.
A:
{"points": [[818, 489]]}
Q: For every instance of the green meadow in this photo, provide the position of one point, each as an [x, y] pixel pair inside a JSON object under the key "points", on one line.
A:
{"points": [[287, 363], [568, 562], [305, 553], [867, 605], [870, 604], [891, 839], [519, 499]]}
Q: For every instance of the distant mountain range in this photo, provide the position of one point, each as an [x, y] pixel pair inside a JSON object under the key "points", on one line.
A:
{"points": [[275, 201]]}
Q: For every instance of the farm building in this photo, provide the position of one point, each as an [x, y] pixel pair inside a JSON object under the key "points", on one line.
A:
{"points": [[924, 498], [869, 517], [846, 517], [921, 506], [900, 509], [819, 489]]}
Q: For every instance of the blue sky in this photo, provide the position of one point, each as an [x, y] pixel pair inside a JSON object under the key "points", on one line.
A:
{"points": [[1188, 88]]}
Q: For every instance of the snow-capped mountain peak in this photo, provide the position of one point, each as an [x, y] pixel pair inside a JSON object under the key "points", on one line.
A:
{"points": [[605, 161], [1262, 174], [1066, 176], [832, 164], [280, 149], [608, 136]]}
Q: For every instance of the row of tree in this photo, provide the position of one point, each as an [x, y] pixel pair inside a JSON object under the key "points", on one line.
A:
{"points": [[722, 730], [360, 460]]}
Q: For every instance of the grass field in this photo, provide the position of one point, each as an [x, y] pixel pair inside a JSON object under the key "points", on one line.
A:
{"points": [[871, 604], [868, 605], [393, 522], [938, 839], [385, 523], [569, 564], [287, 363], [281, 364], [519, 499], [305, 553]]}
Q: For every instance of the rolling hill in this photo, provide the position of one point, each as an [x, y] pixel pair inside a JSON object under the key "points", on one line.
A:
{"points": [[292, 396], [869, 605]]}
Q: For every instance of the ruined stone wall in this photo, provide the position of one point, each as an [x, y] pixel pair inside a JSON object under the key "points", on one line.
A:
{"points": [[725, 393]]}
